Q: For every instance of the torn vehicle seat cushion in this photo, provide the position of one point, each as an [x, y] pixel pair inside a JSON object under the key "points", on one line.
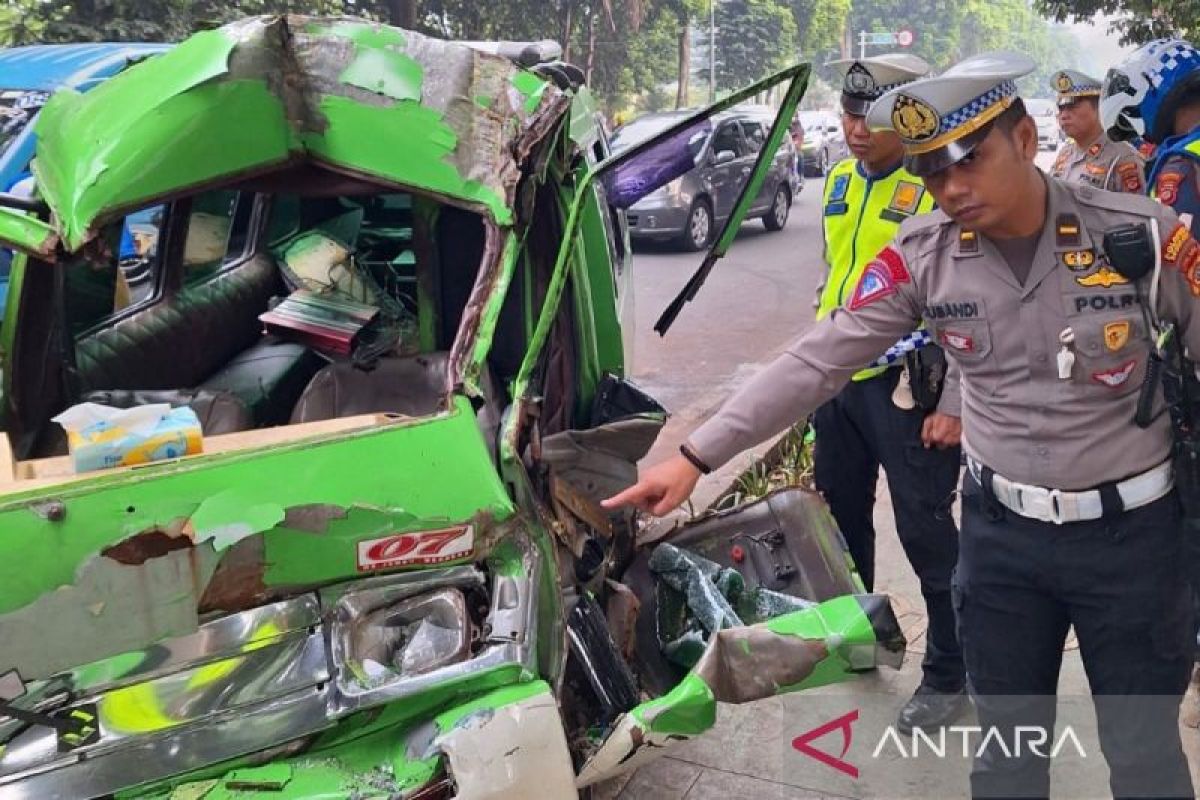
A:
{"points": [[269, 378], [413, 386], [218, 412]]}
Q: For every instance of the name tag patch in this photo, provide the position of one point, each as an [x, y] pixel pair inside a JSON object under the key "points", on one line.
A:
{"points": [[959, 342]]}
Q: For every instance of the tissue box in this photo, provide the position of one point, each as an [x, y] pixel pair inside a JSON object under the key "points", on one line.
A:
{"points": [[100, 437]]}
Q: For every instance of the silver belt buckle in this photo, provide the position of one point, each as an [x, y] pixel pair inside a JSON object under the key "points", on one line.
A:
{"points": [[1040, 503]]}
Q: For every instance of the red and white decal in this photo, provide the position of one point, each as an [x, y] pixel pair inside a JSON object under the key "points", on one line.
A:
{"points": [[890, 257], [416, 548], [875, 284], [1113, 378], [957, 341]]}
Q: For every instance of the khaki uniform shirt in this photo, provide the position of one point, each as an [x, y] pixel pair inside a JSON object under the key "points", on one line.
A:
{"points": [[1019, 417], [1105, 164]]}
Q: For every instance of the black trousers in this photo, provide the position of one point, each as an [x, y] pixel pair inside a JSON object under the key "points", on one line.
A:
{"points": [[1122, 584], [857, 432]]}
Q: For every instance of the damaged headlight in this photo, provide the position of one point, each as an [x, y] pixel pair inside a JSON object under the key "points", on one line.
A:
{"points": [[407, 638]]}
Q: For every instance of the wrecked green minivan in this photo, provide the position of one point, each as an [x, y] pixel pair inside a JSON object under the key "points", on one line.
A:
{"points": [[387, 574]]}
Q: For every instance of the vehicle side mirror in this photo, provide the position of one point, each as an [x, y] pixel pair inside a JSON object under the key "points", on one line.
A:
{"points": [[724, 157]]}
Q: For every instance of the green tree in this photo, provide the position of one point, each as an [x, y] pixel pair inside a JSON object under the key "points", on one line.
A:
{"points": [[754, 38], [1137, 20], [935, 23], [820, 27]]}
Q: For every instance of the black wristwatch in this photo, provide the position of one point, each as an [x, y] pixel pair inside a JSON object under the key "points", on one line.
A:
{"points": [[694, 459]]}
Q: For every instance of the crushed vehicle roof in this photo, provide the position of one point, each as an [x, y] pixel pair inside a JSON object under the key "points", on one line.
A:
{"points": [[268, 94]]}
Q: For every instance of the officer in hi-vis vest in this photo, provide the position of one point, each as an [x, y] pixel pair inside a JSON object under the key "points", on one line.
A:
{"points": [[890, 415], [1090, 156]]}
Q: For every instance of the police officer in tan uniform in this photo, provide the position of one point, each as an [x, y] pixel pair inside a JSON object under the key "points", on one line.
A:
{"points": [[1089, 156], [1070, 515]]}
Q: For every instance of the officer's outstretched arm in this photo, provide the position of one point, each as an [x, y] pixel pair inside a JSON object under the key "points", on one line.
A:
{"points": [[883, 307]]}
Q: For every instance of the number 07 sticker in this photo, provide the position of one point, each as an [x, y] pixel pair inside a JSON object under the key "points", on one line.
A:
{"points": [[416, 548]]}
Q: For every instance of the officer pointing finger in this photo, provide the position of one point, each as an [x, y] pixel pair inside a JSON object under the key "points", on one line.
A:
{"points": [[1070, 515]]}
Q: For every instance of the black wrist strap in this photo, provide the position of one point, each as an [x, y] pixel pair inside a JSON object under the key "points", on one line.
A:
{"points": [[694, 459]]}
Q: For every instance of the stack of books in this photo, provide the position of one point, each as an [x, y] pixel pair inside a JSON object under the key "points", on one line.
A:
{"points": [[324, 322]]}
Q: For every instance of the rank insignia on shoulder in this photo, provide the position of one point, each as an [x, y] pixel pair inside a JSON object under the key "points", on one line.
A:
{"points": [[1079, 260], [1067, 227], [968, 242], [1116, 334], [1116, 377], [1166, 187], [1105, 277], [841, 184], [1095, 149]]}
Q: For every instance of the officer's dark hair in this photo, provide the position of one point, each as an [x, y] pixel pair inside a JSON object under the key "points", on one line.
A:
{"points": [[1009, 117]]}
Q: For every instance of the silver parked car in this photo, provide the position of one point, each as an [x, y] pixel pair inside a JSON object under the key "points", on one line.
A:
{"points": [[824, 142], [689, 209]]}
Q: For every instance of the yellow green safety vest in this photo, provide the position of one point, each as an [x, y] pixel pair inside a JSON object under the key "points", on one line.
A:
{"points": [[861, 216]]}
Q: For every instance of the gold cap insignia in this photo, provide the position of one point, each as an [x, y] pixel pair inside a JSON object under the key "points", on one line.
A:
{"points": [[1063, 82], [914, 119]]}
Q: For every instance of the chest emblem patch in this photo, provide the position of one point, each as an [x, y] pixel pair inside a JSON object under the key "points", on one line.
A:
{"points": [[960, 342], [1116, 335], [841, 185], [1105, 277], [1175, 242], [1095, 149], [1096, 169], [906, 197], [1115, 377]]}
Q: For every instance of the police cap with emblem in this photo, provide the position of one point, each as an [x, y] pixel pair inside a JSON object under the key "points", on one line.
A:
{"points": [[1072, 86], [941, 120], [865, 80]]}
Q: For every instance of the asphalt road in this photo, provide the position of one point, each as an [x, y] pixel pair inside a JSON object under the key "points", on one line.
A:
{"points": [[756, 300]]}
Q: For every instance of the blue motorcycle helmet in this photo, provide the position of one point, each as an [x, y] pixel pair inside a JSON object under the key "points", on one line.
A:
{"points": [[1142, 93]]}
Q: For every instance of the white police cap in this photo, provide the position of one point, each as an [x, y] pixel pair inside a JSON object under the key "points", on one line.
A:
{"points": [[865, 80], [943, 118], [1071, 85]]}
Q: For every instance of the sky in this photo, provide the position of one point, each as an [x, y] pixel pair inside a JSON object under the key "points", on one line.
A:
{"points": [[1100, 48]]}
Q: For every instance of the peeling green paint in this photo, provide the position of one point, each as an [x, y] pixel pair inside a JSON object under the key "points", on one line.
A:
{"points": [[378, 64], [248, 99], [687, 710], [431, 469], [531, 87], [26, 233], [423, 160], [505, 696]]}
